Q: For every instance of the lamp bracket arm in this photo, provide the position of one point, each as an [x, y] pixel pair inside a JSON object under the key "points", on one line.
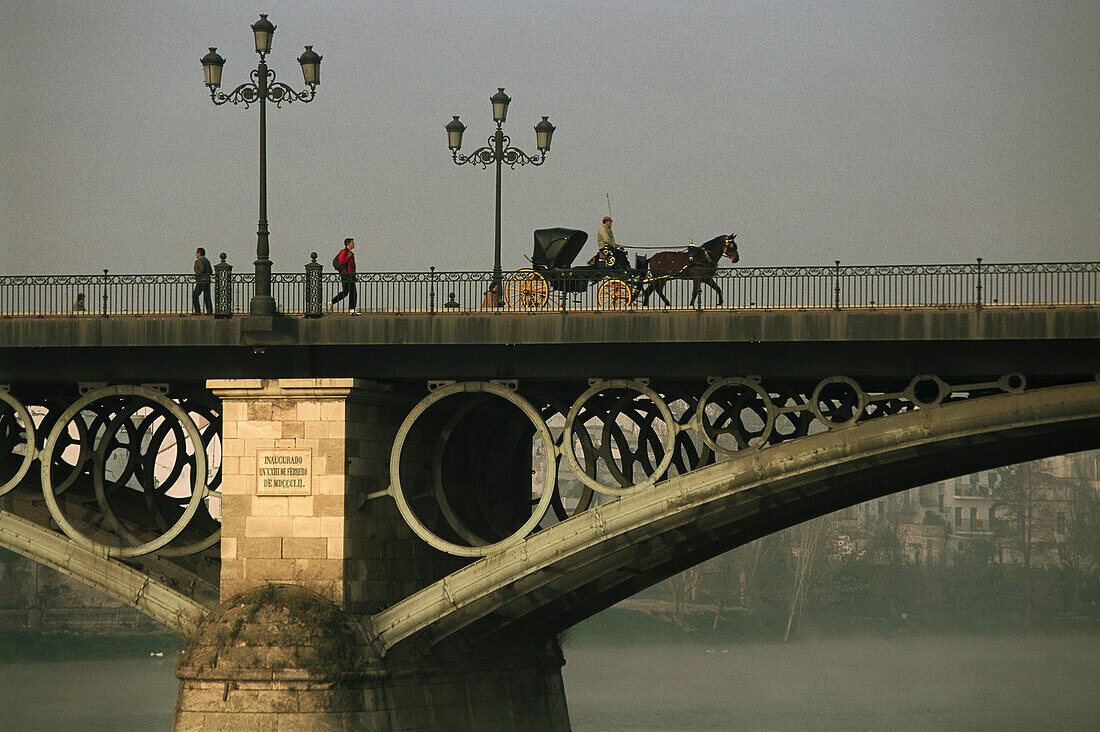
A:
{"points": [[278, 92], [513, 156], [483, 156], [247, 94]]}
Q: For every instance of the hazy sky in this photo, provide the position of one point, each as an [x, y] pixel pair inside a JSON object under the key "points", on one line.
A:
{"points": [[907, 132]]}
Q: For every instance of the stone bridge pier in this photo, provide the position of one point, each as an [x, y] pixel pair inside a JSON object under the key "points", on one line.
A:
{"points": [[307, 557]]}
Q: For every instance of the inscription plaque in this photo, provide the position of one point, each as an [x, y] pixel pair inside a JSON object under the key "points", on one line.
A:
{"points": [[284, 472]]}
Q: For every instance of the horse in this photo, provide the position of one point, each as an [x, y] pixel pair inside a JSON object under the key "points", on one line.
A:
{"points": [[697, 264]]}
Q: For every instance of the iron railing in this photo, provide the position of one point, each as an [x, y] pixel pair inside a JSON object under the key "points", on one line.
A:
{"points": [[943, 286]]}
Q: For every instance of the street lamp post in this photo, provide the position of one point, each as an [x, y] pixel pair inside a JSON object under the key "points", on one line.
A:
{"points": [[262, 88], [499, 151]]}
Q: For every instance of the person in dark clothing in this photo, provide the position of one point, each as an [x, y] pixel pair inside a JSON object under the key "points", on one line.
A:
{"points": [[203, 270], [346, 261]]}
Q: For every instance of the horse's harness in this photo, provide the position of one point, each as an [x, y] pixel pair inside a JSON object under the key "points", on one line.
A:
{"points": [[710, 260]]}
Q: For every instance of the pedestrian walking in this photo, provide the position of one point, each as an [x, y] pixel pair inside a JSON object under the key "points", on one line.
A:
{"points": [[345, 265], [203, 270]]}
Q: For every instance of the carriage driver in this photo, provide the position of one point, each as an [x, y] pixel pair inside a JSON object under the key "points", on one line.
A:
{"points": [[610, 252]]}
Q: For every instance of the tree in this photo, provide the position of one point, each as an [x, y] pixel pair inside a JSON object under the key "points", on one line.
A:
{"points": [[1026, 520], [682, 588], [810, 546], [1080, 552], [885, 548], [748, 576]]}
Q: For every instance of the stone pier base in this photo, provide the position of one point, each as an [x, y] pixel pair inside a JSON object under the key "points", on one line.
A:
{"points": [[283, 658], [307, 557]]}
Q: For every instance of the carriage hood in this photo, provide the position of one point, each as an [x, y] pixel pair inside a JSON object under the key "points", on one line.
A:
{"points": [[557, 247]]}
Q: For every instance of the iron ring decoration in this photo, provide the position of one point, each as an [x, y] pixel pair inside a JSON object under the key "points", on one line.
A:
{"points": [[123, 420], [566, 446], [915, 393], [216, 535], [701, 425], [859, 406], [449, 515], [584, 501], [396, 490], [198, 492], [22, 414]]}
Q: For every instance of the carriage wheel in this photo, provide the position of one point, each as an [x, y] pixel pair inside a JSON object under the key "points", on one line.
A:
{"points": [[614, 294], [526, 289]]}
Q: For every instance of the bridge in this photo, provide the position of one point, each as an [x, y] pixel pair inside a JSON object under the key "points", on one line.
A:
{"points": [[383, 521]]}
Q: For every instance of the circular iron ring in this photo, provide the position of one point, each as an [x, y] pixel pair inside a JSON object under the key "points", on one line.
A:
{"points": [[398, 492], [198, 491]]}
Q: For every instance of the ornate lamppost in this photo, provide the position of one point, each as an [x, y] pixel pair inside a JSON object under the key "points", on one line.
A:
{"points": [[262, 88], [499, 151]]}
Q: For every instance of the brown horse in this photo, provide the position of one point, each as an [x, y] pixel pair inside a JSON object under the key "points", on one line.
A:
{"points": [[698, 264]]}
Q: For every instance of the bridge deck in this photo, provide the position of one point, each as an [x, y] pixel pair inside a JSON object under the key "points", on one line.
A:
{"points": [[670, 344]]}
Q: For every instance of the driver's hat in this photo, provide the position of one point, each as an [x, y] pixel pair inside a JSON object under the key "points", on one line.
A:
{"points": [[607, 218]]}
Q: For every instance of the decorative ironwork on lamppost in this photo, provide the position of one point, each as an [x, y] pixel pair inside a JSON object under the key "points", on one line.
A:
{"points": [[499, 151], [261, 89]]}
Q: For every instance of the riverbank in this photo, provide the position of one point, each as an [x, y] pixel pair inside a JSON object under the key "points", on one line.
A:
{"points": [[28, 645], [631, 622], [652, 621]]}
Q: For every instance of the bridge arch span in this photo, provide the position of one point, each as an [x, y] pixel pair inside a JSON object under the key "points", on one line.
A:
{"points": [[133, 587], [589, 562]]}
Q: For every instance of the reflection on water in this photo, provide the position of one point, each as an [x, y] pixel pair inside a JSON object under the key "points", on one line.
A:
{"points": [[926, 683], [965, 682]]}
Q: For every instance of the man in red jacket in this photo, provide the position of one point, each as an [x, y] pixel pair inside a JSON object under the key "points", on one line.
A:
{"points": [[346, 264]]}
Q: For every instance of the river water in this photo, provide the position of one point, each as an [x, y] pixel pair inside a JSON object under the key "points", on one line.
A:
{"points": [[913, 683]]}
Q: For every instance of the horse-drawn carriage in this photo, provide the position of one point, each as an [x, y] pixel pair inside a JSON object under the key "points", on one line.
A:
{"points": [[552, 271]]}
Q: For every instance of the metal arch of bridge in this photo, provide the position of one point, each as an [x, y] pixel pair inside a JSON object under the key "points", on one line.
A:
{"points": [[131, 586], [588, 562]]}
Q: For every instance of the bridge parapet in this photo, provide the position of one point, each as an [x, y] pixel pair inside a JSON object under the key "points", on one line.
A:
{"points": [[972, 285]]}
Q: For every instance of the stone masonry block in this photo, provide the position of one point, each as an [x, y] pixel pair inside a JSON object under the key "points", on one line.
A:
{"points": [[331, 526], [294, 430], [260, 547], [301, 505], [258, 571], [232, 571], [333, 411], [236, 485], [308, 411], [320, 570], [300, 547], [230, 465], [259, 430], [306, 526], [284, 409], [332, 446], [234, 447], [329, 505], [334, 547], [269, 506], [232, 525], [252, 445], [281, 526], [258, 526], [329, 485], [202, 697], [229, 548], [234, 410], [323, 430], [259, 410], [357, 466]]}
